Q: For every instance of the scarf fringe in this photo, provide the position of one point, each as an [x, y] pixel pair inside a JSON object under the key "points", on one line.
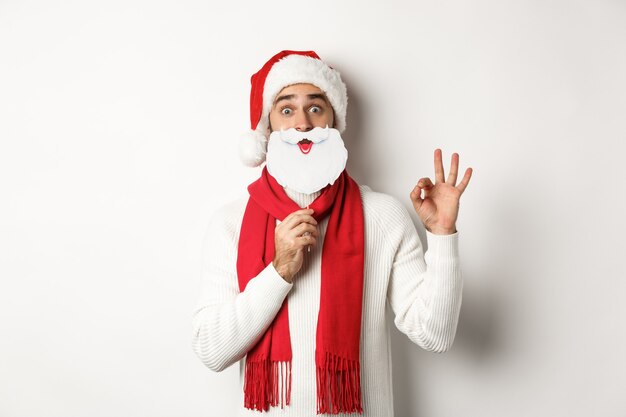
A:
{"points": [[338, 385], [267, 383]]}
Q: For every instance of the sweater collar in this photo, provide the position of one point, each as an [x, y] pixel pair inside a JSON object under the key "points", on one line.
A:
{"points": [[301, 199]]}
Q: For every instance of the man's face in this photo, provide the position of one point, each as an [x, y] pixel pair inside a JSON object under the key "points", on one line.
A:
{"points": [[304, 151], [301, 106]]}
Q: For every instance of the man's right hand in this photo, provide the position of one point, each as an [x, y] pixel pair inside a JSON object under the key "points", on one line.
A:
{"points": [[290, 241]]}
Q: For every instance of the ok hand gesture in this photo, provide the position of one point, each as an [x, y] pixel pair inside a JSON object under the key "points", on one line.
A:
{"points": [[439, 207]]}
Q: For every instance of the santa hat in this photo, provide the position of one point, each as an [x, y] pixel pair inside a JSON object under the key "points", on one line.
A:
{"points": [[283, 69]]}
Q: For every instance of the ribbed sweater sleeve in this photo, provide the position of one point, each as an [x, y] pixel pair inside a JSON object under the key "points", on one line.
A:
{"points": [[425, 290], [226, 322]]}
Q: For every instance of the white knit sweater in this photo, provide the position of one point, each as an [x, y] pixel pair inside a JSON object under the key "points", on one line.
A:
{"points": [[424, 291]]}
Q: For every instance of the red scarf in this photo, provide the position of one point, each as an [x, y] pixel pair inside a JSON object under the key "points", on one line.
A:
{"points": [[341, 296]]}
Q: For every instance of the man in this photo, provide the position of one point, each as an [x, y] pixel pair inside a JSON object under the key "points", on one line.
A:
{"points": [[296, 277]]}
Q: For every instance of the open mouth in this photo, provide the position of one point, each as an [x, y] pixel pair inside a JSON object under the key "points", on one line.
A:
{"points": [[305, 146]]}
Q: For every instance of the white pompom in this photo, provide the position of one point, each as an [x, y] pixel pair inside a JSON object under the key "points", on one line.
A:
{"points": [[252, 148]]}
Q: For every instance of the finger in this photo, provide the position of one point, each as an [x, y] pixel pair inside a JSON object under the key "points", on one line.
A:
{"points": [[303, 241], [439, 174], [454, 169], [303, 228], [425, 183], [304, 211], [297, 217], [463, 184], [416, 194], [416, 197]]}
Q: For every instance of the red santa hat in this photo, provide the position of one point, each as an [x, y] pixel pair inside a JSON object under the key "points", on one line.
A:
{"points": [[284, 69]]}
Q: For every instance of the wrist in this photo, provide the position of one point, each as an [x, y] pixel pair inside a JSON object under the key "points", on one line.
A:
{"points": [[284, 274], [441, 230]]}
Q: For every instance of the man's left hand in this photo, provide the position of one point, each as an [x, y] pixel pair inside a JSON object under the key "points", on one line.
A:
{"points": [[439, 207]]}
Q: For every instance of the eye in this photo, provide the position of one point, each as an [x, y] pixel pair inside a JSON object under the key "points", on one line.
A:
{"points": [[315, 109], [286, 111]]}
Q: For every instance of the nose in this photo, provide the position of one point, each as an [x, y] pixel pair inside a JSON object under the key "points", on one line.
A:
{"points": [[303, 123]]}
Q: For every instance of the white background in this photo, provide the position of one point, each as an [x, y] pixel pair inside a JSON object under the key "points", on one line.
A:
{"points": [[119, 126]]}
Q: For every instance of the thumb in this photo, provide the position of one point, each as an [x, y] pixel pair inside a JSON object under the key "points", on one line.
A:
{"points": [[416, 196]]}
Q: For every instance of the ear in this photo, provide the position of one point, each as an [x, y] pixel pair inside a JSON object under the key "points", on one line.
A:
{"points": [[268, 131]]}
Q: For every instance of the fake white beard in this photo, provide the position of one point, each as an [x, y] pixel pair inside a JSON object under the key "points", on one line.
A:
{"points": [[309, 172]]}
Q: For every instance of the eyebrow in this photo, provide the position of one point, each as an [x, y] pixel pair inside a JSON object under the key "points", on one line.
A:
{"points": [[292, 96]]}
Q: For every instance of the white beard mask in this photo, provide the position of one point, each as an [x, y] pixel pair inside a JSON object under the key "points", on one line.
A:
{"points": [[306, 161]]}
